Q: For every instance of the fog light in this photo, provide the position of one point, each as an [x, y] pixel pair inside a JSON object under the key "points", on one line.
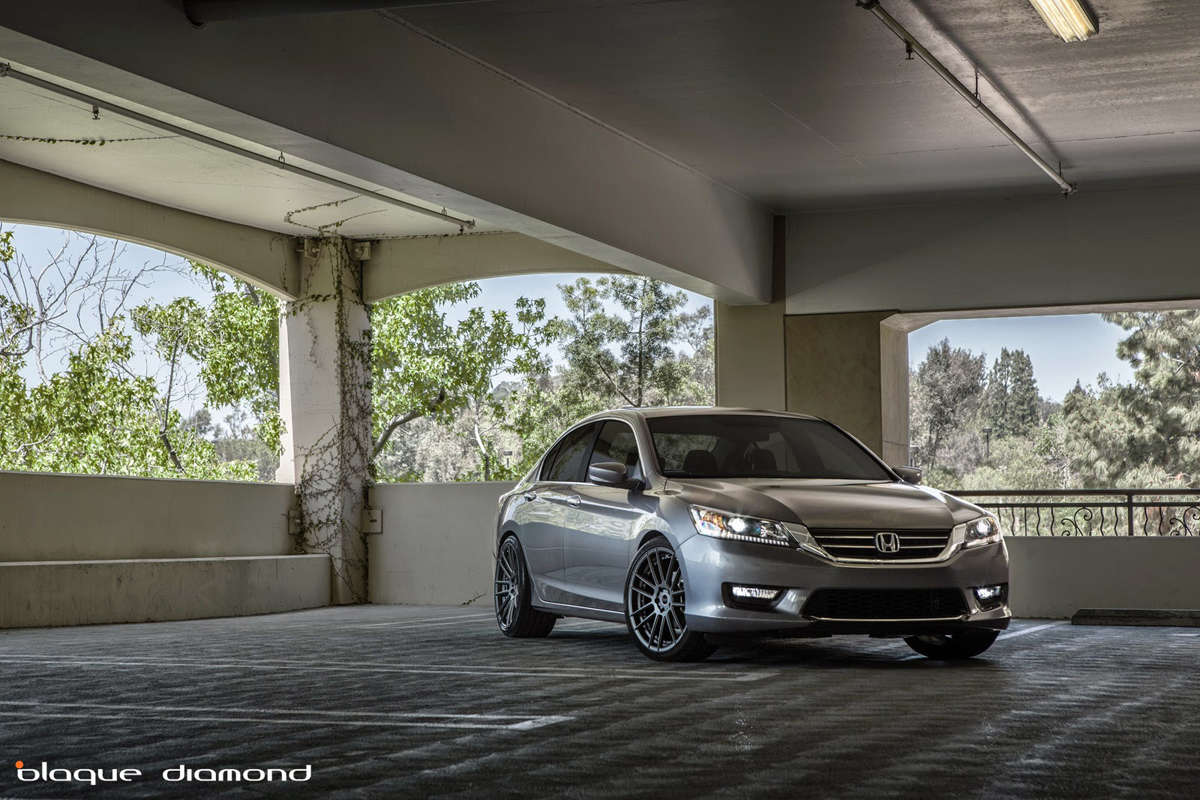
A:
{"points": [[754, 593], [989, 595]]}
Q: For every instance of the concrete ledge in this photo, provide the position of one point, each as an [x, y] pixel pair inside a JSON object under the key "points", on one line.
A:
{"points": [[436, 547], [49, 517], [1057, 576], [1142, 617], [36, 594]]}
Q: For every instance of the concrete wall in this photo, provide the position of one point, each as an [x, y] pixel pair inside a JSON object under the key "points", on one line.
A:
{"points": [[436, 547], [1096, 247], [51, 593], [87, 517], [1056, 576], [85, 549]]}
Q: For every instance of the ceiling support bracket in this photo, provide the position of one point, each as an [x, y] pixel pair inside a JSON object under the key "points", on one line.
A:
{"points": [[912, 45]]}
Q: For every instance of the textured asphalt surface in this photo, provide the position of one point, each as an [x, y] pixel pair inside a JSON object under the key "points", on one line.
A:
{"points": [[391, 701]]}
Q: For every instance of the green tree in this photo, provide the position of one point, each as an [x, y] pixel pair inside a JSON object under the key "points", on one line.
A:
{"points": [[1010, 402], [89, 412], [622, 338], [945, 390], [624, 341], [1145, 433], [234, 341], [425, 366]]}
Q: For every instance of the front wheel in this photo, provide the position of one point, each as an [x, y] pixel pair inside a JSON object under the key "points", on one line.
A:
{"points": [[654, 607], [954, 646], [514, 613]]}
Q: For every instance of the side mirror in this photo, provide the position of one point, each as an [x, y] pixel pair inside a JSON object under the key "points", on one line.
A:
{"points": [[610, 473], [908, 474]]}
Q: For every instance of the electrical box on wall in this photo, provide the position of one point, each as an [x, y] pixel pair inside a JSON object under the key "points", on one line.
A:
{"points": [[372, 520]]}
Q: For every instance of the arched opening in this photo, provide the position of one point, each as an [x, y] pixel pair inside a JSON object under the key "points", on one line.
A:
{"points": [[123, 359], [472, 381]]}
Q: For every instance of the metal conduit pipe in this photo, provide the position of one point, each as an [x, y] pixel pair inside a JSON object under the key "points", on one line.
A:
{"points": [[6, 71], [201, 12], [958, 86]]}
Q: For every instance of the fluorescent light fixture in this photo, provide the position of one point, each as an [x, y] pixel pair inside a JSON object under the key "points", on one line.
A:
{"points": [[1069, 19]]}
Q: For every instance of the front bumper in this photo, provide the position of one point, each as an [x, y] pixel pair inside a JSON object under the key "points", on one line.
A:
{"points": [[709, 564]]}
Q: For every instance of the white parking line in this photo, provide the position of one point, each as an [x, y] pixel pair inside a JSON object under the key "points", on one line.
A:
{"points": [[40, 710], [415, 622], [558, 673], [1034, 629]]}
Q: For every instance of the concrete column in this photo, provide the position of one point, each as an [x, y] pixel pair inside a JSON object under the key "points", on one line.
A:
{"points": [[750, 360], [852, 369], [750, 355], [325, 401]]}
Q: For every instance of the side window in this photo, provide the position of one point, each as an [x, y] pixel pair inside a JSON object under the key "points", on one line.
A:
{"points": [[547, 463], [615, 443], [569, 455]]}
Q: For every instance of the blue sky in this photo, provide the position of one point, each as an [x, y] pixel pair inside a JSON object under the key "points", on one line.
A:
{"points": [[1062, 348]]}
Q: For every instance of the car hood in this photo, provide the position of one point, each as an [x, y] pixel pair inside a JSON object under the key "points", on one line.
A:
{"points": [[830, 504]]}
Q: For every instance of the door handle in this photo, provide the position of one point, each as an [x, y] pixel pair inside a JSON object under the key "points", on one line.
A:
{"points": [[574, 501], [531, 496]]}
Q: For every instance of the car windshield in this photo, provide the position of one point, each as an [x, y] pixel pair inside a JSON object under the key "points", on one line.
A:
{"points": [[759, 446]]}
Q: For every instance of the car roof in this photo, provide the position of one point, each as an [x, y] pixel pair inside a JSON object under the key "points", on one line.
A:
{"points": [[658, 412]]}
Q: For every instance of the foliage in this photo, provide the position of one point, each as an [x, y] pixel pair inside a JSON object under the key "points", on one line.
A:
{"points": [[1010, 402], [620, 342], [945, 393], [1142, 434], [234, 340], [90, 412], [425, 366], [95, 418]]}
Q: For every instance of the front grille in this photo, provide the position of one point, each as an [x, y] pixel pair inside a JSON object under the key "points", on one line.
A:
{"points": [[885, 603], [861, 544]]}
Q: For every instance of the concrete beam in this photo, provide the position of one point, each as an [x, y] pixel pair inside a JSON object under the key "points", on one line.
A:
{"points": [[266, 259], [405, 265], [387, 103], [1094, 248]]}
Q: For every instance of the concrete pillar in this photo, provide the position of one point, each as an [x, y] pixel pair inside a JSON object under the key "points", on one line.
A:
{"points": [[325, 402], [852, 369], [750, 355], [749, 358]]}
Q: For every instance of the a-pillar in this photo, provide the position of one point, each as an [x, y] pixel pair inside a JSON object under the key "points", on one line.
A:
{"points": [[325, 402], [852, 369]]}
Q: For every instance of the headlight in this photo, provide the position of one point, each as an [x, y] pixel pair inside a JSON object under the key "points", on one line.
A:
{"points": [[744, 529], [985, 530]]}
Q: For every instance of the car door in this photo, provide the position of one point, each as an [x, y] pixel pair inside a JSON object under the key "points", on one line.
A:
{"points": [[600, 532], [545, 508]]}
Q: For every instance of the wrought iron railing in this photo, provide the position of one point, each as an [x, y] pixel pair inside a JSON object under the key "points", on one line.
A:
{"points": [[1098, 512]]}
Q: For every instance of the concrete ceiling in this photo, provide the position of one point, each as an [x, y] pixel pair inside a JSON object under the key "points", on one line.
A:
{"points": [[155, 164], [810, 105]]}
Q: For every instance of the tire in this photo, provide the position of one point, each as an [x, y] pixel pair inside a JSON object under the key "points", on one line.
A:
{"points": [[654, 607], [953, 647], [512, 594]]}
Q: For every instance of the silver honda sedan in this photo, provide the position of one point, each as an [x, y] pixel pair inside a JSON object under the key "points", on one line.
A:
{"points": [[696, 525]]}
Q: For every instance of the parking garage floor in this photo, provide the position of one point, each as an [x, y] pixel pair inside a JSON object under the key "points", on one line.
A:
{"points": [[392, 701]]}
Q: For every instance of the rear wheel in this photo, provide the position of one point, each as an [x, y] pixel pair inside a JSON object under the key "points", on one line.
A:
{"points": [[654, 607], [514, 613], [950, 647]]}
